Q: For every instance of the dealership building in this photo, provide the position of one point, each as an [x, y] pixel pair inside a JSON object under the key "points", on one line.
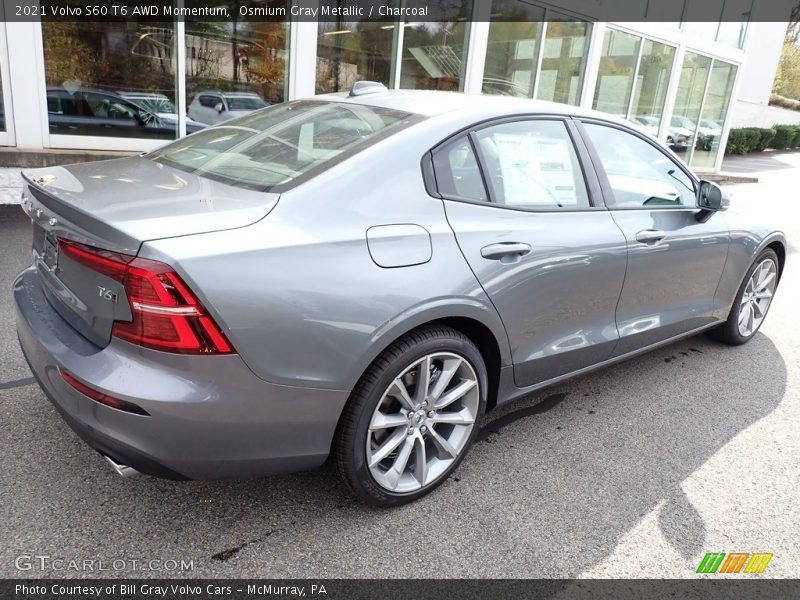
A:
{"points": [[115, 85]]}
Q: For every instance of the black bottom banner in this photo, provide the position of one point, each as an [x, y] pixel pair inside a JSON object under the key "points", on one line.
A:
{"points": [[402, 589]]}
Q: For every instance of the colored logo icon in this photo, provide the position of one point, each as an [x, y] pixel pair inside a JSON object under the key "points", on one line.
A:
{"points": [[734, 562]]}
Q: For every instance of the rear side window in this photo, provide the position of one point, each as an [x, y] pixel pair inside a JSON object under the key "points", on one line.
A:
{"points": [[533, 164], [457, 172], [283, 144]]}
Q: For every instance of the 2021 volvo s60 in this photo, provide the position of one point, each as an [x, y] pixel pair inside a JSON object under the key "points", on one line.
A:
{"points": [[363, 276]]}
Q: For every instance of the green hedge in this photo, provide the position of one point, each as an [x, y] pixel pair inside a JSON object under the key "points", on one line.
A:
{"points": [[754, 139], [785, 136], [749, 139]]}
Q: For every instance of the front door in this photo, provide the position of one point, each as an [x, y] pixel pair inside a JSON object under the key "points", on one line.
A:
{"points": [[551, 262], [675, 260]]}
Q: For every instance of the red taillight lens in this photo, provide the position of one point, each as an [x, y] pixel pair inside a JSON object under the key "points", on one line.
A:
{"points": [[102, 398], [166, 314]]}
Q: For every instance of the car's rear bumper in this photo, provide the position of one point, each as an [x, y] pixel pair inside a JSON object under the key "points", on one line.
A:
{"points": [[210, 416]]}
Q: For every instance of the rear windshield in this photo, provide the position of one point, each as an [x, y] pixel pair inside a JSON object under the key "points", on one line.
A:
{"points": [[282, 144]]}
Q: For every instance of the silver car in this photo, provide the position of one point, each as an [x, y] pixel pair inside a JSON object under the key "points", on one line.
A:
{"points": [[364, 276], [213, 107]]}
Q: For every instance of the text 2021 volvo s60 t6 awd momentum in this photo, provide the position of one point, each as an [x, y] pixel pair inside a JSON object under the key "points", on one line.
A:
{"points": [[363, 276]]}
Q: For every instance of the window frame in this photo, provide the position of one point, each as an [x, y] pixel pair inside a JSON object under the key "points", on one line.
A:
{"points": [[589, 174], [605, 183]]}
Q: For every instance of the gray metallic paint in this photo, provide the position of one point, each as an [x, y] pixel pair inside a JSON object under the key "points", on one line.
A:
{"points": [[310, 296]]}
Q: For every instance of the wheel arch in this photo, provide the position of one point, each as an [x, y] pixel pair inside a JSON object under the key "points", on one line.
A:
{"points": [[478, 322], [779, 247]]}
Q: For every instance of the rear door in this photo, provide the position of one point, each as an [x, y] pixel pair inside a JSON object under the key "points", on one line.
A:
{"points": [[552, 261], [675, 260]]}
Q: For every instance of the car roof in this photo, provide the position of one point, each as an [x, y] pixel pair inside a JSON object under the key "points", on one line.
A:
{"points": [[230, 94], [431, 103]]}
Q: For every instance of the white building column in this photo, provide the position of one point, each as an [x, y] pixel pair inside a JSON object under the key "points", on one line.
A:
{"points": [[592, 67], [477, 43], [26, 84], [302, 59], [672, 91]]}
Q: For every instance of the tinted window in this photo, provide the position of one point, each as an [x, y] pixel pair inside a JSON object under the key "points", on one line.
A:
{"points": [[244, 102], [533, 164], [108, 107], [457, 172], [279, 144], [640, 175], [208, 101]]}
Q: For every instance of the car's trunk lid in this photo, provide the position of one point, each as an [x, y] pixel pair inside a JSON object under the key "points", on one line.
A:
{"points": [[117, 205]]}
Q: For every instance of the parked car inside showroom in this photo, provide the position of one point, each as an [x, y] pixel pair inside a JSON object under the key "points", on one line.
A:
{"points": [[363, 276], [159, 104], [212, 107], [96, 112]]}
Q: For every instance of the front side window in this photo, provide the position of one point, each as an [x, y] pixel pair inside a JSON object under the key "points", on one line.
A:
{"points": [[640, 175], [533, 164], [278, 145]]}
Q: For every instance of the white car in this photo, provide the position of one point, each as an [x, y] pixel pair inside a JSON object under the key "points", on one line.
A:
{"points": [[214, 107]]}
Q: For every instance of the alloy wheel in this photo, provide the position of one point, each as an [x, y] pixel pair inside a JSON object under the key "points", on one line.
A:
{"points": [[757, 297], [423, 422]]}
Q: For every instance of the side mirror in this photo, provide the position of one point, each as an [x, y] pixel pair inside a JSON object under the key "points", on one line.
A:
{"points": [[710, 199], [219, 107]]}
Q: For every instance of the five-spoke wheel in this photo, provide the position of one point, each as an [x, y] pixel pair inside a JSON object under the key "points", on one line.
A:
{"points": [[757, 297], [422, 422], [412, 417], [752, 300]]}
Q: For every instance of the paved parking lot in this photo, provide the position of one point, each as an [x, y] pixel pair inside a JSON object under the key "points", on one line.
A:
{"points": [[635, 471]]}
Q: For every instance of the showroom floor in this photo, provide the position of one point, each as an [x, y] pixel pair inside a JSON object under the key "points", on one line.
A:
{"points": [[635, 471]]}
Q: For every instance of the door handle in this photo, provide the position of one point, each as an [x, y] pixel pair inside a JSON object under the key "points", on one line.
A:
{"points": [[503, 249], [650, 236]]}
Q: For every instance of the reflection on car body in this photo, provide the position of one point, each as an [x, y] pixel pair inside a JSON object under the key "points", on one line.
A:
{"points": [[363, 276]]}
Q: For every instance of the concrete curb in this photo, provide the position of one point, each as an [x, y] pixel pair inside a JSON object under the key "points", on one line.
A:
{"points": [[10, 185]]}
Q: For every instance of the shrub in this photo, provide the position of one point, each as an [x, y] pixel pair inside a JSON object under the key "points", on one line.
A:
{"points": [[796, 140], [749, 139], [784, 137]]}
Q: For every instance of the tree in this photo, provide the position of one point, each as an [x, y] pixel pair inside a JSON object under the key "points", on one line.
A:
{"points": [[787, 78], [67, 55]]}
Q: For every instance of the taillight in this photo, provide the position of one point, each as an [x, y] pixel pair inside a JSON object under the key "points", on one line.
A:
{"points": [[166, 314]]}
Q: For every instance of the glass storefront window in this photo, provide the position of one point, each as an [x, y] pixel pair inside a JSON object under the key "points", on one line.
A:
{"points": [[234, 68], [512, 50], [733, 26], [689, 101], [715, 109], [2, 109], [353, 51], [563, 60], [650, 88], [434, 56], [615, 77], [95, 73], [723, 21]]}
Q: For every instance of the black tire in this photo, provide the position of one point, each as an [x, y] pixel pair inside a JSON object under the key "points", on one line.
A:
{"points": [[728, 332], [349, 449]]}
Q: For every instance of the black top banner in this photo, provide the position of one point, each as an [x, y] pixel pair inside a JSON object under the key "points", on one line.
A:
{"points": [[402, 10]]}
